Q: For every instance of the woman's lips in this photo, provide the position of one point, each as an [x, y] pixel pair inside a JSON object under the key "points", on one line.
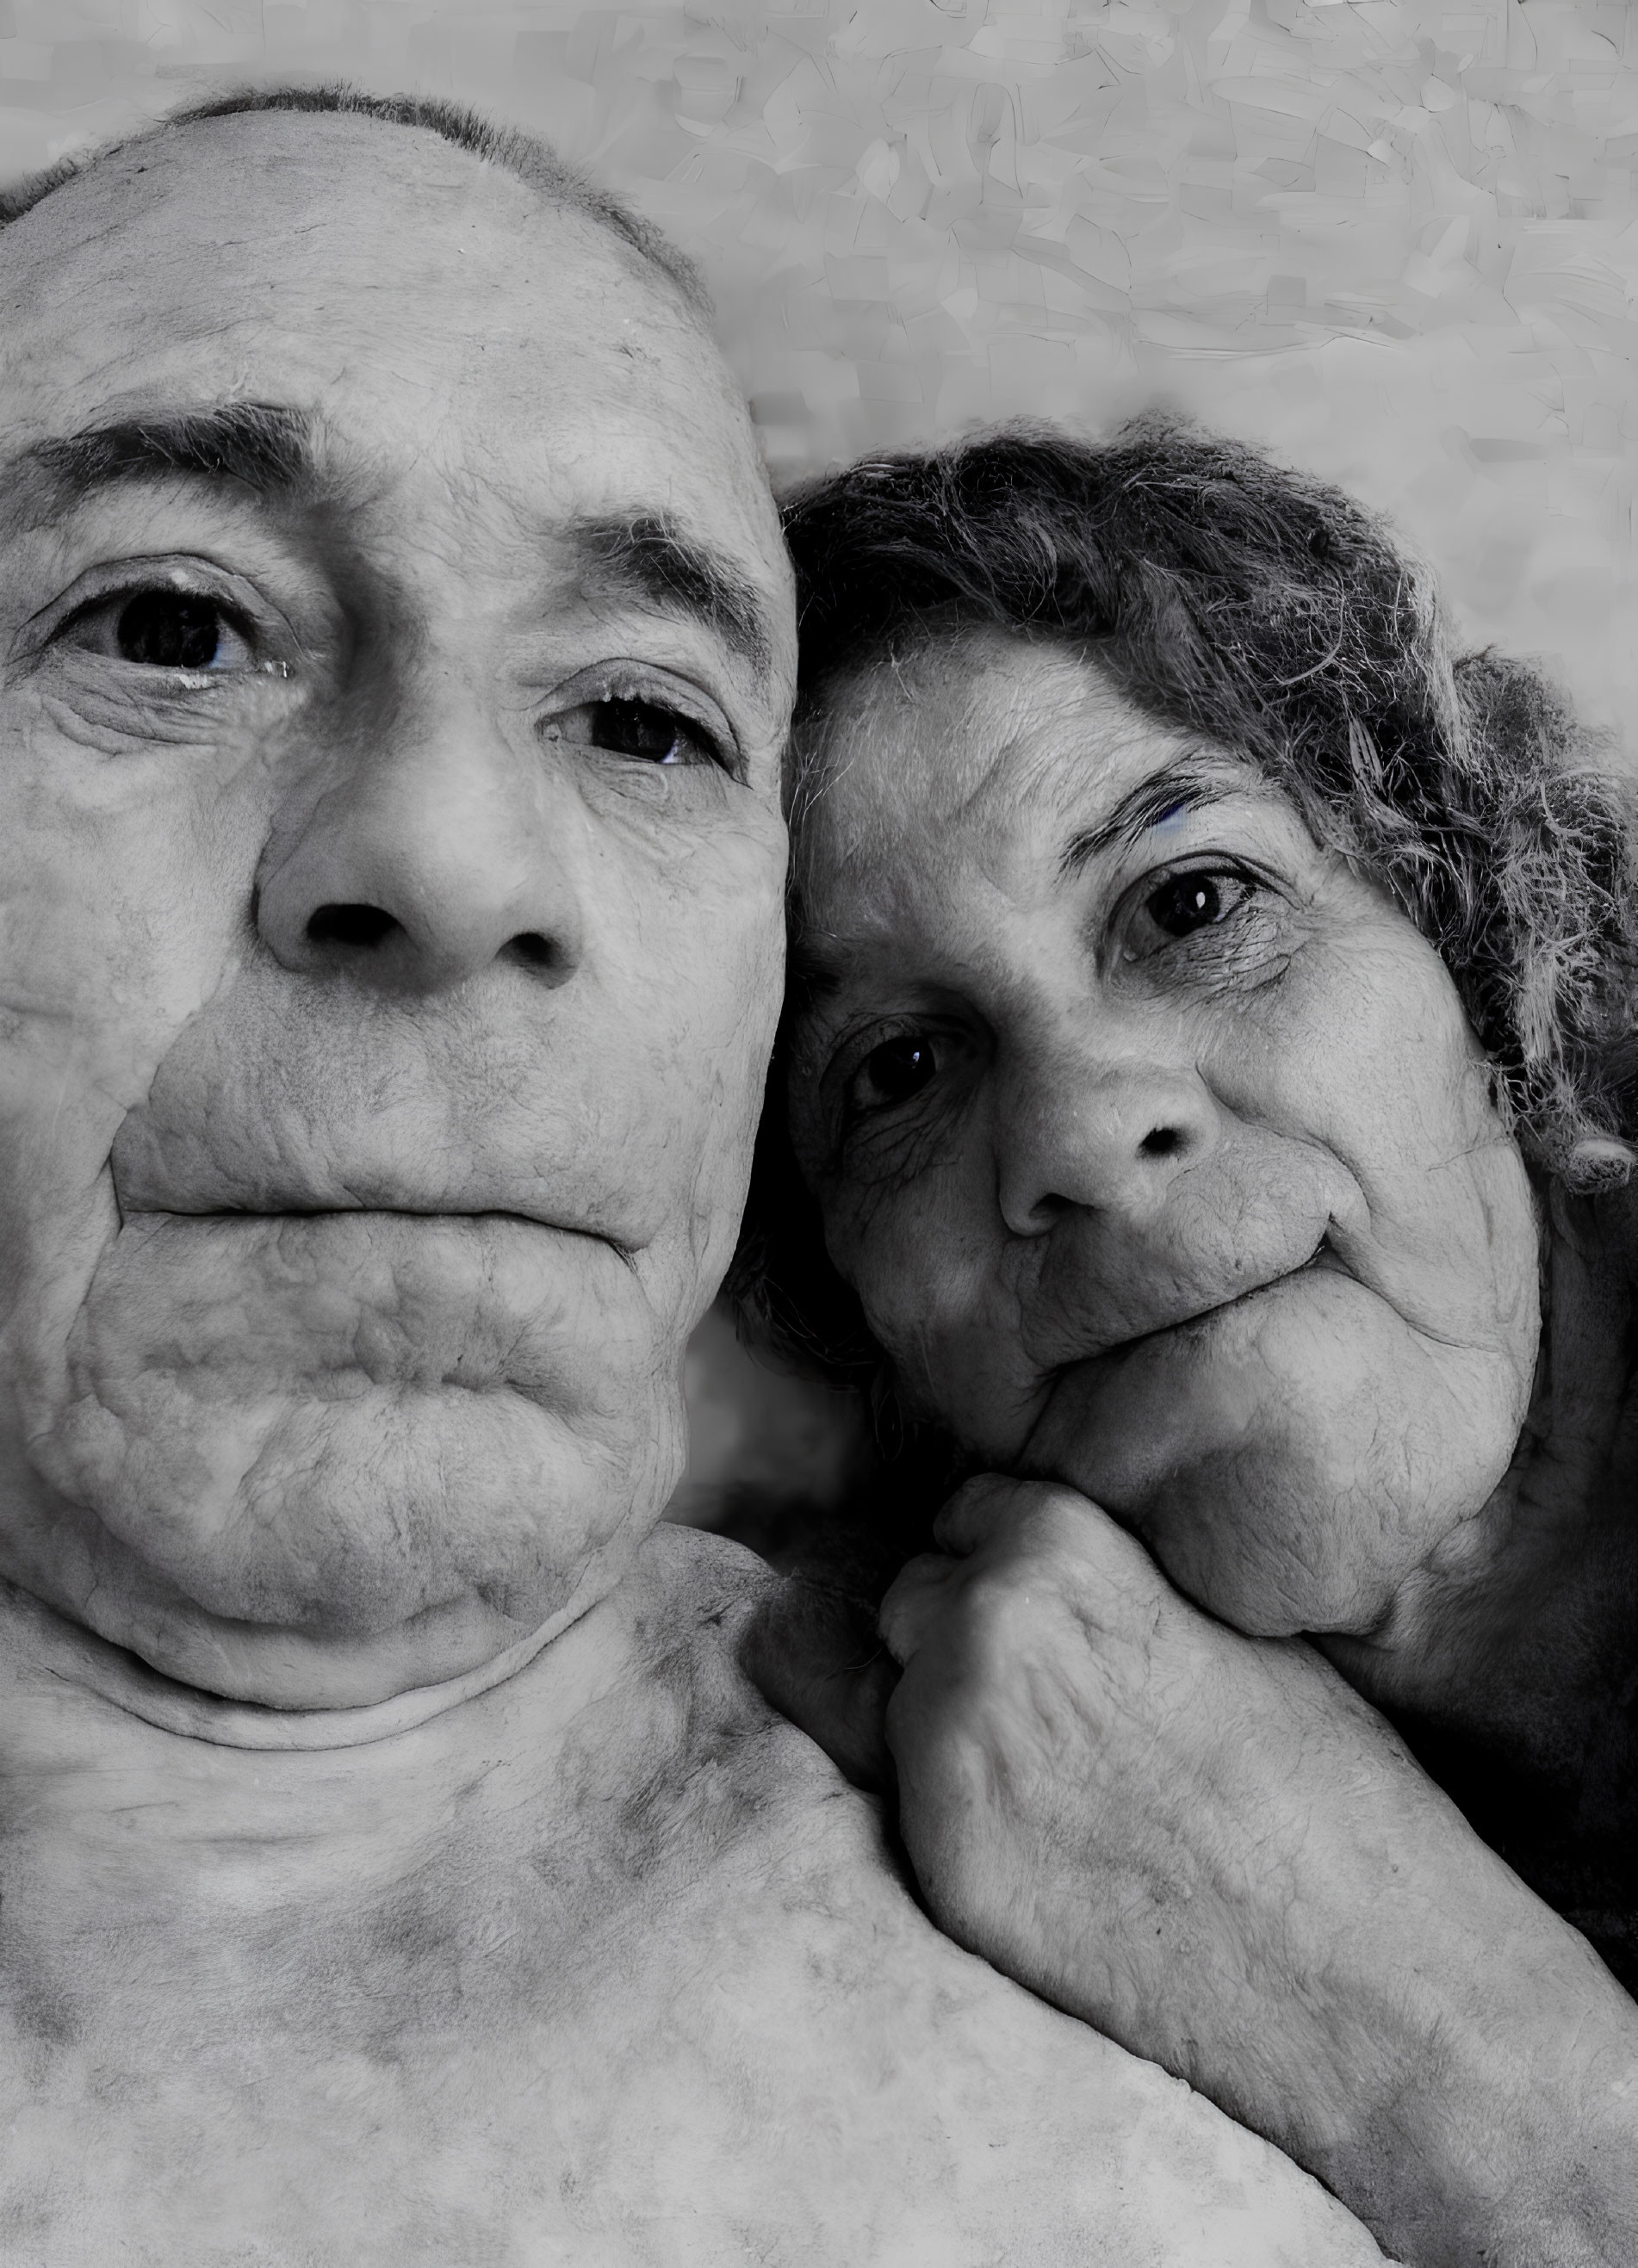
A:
{"points": [[1321, 1257], [1078, 1385]]}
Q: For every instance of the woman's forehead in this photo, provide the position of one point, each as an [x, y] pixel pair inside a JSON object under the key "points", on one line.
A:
{"points": [[980, 745]]}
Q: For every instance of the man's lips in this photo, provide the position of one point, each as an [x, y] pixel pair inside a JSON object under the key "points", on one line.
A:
{"points": [[429, 1213]]}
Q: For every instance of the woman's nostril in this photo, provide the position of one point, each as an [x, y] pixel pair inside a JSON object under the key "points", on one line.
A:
{"points": [[365, 925], [531, 949], [1161, 1142]]}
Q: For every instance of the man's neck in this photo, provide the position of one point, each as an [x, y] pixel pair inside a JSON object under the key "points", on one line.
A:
{"points": [[141, 1777], [130, 1684]]}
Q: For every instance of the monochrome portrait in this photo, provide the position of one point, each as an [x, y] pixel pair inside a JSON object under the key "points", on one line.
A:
{"points": [[818, 1098]]}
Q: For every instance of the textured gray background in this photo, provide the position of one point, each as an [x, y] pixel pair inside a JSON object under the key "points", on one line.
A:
{"points": [[1394, 240]]}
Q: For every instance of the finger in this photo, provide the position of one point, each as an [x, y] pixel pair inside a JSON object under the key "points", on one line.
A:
{"points": [[995, 1509], [979, 1511], [815, 1655], [916, 1602]]}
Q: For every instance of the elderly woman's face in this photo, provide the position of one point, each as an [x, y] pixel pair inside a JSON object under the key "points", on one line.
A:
{"points": [[1154, 1139]]}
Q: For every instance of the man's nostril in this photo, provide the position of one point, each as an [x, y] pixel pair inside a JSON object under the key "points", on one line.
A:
{"points": [[1160, 1142], [365, 925], [531, 949]]}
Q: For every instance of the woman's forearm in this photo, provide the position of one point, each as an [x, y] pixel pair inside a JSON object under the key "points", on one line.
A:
{"points": [[1447, 2055]]}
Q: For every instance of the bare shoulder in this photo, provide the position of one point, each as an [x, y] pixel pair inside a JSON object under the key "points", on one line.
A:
{"points": [[635, 1982], [695, 1582], [909, 2099]]}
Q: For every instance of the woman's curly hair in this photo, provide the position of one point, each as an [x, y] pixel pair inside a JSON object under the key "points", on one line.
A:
{"points": [[1231, 599]]}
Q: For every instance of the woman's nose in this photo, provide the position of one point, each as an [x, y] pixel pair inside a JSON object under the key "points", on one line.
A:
{"points": [[1110, 1137], [424, 861]]}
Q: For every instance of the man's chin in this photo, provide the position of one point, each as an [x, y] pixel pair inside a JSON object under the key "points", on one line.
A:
{"points": [[304, 1672], [336, 1658], [318, 1554], [310, 1460]]}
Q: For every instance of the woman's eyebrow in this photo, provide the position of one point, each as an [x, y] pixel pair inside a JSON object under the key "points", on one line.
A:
{"points": [[1179, 789]]}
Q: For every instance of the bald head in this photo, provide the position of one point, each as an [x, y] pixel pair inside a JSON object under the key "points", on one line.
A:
{"points": [[400, 649], [273, 120], [512, 148]]}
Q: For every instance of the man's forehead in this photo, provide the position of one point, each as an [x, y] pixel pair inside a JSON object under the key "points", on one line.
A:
{"points": [[250, 253], [499, 343]]}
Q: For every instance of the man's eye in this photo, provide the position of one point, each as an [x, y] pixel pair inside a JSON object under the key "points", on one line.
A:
{"points": [[891, 1073], [163, 629], [1184, 904], [646, 731]]}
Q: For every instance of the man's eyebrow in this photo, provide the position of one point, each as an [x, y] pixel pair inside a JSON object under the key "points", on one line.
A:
{"points": [[1183, 787], [265, 445], [648, 558]]}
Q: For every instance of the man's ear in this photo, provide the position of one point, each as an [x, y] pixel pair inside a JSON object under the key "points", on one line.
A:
{"points": [[813, 1653]]}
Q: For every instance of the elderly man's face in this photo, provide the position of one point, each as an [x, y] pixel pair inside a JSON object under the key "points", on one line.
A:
{"points": [[1154, 1139], [390, 872]]}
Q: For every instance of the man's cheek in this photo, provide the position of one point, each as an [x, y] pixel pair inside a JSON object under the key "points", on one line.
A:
{"points": [[102, 972], [693, 1088], [92, 1002], [69, 1080]]}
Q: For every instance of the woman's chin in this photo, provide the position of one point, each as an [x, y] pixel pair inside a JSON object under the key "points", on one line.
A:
{"points": [[1250, 1452]]}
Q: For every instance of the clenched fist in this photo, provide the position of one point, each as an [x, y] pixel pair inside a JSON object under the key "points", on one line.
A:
{"points": [[1114, 1797]]}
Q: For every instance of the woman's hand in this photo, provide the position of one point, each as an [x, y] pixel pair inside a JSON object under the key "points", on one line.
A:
{"points": [[1140, 1813], [1209, 1847]]}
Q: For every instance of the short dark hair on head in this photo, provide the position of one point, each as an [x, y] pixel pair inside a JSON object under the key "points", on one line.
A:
{"points": [[512, 148], [1233, 600]]}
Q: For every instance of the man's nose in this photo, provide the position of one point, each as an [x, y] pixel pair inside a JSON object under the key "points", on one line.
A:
{"points": [[425, 860], [1084, 1134]]}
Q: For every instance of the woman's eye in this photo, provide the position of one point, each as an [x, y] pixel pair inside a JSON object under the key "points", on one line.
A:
{"points": [[891, 1073], [647, 731], [163, 629], [1185, 903]]}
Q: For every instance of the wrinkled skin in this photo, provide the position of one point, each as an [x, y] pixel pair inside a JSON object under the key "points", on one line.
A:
{"points": [[1172, 1217], [602, 1966], [345, 1280], [397, 1865], [1165, 1165]]}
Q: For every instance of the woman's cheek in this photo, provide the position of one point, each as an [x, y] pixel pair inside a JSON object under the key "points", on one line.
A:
{"points": [[927, 1269]]}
